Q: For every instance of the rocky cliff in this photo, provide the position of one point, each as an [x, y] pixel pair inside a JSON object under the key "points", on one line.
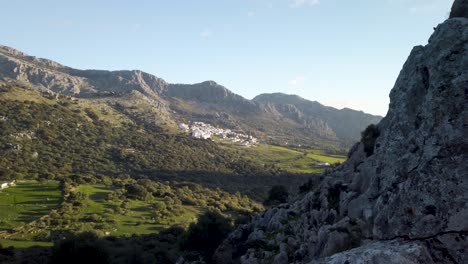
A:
{"points": [[402, 197], [210, 92], [53, 76]]}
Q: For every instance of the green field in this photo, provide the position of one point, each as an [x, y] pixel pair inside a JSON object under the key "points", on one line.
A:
{"points": [[23, 243], [292, 160], [26, 202], [137, 218]]}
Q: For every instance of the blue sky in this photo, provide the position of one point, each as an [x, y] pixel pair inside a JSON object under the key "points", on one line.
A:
{"points": [[341, 53]]}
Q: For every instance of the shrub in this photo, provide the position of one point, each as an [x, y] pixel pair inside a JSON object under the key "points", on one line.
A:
{"points": [[206, 235], [278, 194], [83, 248], [137, 191]]}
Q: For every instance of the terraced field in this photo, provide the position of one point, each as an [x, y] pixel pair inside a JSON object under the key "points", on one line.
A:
{"points": [[137, 218], [26, 202], [292, 160]]}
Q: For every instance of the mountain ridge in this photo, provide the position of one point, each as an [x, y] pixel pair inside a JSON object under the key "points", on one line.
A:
{"points": [[275, 121]]}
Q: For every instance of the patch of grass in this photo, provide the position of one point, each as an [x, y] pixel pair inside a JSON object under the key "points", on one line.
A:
{"points": [[324, 158], [23, 243], [26, 202], [292, 160], [137, 218]]}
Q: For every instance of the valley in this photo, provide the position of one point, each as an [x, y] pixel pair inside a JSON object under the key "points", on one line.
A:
{"points": [[105, 163], [84, 165]]}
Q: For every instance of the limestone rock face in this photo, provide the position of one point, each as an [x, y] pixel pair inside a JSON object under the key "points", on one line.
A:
{"points": [[212, 93], [404, 202], [53, 76], [459, 9]]}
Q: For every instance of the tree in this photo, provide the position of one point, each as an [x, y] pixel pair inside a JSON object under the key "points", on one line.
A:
{"points": [[278, 194], [83, 248], [206, 235], [137, 191]]}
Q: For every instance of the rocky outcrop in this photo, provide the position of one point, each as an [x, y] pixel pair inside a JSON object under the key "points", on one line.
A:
{"points": [[406, 200], [459, 9], [53, 76], [211, 93]]}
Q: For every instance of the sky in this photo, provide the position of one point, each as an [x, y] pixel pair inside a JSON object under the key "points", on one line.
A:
{"points": [[341, 53]]}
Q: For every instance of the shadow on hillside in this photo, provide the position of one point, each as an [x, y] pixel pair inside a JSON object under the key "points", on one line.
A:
{"points": [[166, 246], [255, 185]]}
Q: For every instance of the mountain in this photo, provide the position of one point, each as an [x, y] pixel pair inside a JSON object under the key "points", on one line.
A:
{"points": [[402, 196], [276, 118], [345, 123]]}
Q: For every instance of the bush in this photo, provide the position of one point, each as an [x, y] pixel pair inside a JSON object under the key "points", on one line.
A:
{"points": [[137, 191], [368, 138], [83, 248], [278, 194], [206, 235]]}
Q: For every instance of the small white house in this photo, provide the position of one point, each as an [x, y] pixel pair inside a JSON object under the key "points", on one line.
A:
{"points": [[184, 127], [323, 164], [197, 133], [7, 184]]}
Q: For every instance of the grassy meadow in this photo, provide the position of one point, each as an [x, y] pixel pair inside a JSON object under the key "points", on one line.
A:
{"points": [[26, 202], [137, 217], [292, 160]]}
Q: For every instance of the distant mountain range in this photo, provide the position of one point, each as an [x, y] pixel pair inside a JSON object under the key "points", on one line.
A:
{"points": [[275, 118]]}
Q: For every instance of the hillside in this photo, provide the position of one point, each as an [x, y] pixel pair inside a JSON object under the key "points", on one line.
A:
{"points": [[345, 124], [274, 119], [103, 169], [53, 138]]}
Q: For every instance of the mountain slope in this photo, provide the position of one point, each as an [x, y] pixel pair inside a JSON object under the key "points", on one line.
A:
{"points": [[275, 119], [402, 196], [345, 123]]}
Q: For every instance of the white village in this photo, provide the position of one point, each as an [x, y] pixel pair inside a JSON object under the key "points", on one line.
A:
{"points": [[203, 130]]}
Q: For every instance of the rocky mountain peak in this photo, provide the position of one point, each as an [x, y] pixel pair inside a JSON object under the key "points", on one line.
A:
{"points": [[402, 196], [12, 51], [53, 76], [459, 9], [208, 91], [21, 56]]}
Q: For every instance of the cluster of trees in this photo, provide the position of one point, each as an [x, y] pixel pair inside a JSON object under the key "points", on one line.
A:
{"points": [[197, 242], [187, 193], [55, 142], [46, 141]]}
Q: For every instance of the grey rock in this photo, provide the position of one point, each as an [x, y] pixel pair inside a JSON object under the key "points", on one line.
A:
{"points": [[408, 201], [391, 252], [459, 9], [281, 258]]}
